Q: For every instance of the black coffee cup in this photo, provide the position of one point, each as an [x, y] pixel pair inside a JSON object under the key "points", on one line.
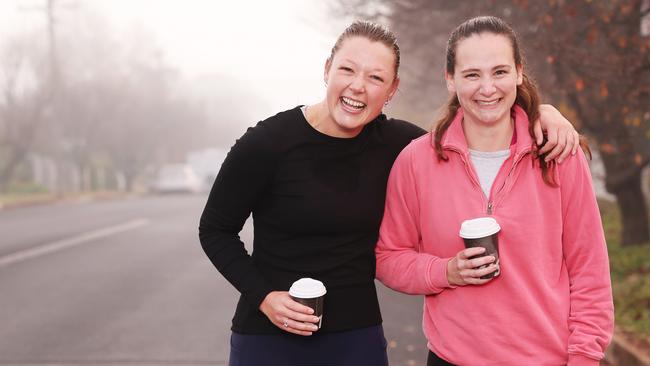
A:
{"points": [[309, 292], [483, 232]]}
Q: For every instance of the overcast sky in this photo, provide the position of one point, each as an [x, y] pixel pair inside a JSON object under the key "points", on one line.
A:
{"points": [[276, 49]]}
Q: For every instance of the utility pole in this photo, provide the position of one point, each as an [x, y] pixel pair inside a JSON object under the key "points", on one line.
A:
{"points": [[53, 76], [54, 65]]}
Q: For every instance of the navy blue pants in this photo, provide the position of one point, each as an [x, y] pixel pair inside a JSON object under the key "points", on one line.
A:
{"points": [[359, 347], [434, 360]]}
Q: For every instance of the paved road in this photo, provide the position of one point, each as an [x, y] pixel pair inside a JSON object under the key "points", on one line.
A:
{"points": [[126, 283]]}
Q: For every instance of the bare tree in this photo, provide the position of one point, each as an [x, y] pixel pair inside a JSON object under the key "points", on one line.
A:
{"points": [[24, 113], [26, 99], [108, 105]]}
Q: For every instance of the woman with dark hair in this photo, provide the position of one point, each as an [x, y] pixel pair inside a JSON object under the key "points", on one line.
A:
{"points": [[314, 178], [547, 301]]}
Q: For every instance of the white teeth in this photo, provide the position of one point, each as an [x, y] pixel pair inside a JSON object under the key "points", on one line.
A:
{"points": [[492, 102], [352, 103]]}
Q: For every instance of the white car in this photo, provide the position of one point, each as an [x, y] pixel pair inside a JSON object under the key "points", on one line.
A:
{"points": [[177, 178]]}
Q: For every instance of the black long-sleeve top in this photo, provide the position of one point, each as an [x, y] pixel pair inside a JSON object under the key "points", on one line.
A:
{"points": [[317, 203]]}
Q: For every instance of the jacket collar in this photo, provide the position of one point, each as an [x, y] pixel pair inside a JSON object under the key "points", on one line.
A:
{"points": [[455, 137]]}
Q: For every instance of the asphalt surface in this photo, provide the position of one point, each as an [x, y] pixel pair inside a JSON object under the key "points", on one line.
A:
{"points": [[125, 282]]}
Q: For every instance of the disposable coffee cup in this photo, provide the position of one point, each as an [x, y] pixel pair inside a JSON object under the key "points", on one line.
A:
{"points": [[309, 292], [482, 232]]}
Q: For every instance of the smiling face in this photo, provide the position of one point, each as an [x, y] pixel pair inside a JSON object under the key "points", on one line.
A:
{"points": [[360, 78], [485, 78]]}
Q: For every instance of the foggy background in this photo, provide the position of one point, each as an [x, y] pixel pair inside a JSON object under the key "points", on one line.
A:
{"points": [[98, 94]]}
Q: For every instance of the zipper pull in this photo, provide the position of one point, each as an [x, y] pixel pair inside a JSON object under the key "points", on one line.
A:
{"points": [[489, 208]]}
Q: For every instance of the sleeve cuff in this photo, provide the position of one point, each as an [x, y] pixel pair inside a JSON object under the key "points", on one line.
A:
{"points": [[438, 279], [580, 360]]}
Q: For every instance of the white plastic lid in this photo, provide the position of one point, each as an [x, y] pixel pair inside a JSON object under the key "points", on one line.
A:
{"points": [[306, 288], [478, 228]]}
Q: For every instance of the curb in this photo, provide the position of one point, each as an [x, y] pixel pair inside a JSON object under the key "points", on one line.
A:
{"points": [[28, 203], [87, 197], [621, 352]]}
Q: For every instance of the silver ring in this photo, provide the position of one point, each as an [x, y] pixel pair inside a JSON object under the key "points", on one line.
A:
{"points": [[285, 324]]}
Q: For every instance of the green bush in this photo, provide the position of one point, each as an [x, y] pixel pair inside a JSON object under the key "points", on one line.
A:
{"points": [[630, 270]]}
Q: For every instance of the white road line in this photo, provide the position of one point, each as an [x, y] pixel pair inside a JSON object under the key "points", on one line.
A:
{"points": [[55, 246]]}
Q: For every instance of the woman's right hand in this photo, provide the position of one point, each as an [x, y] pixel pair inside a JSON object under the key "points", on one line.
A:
{"points": [[289, 315], [461, 270]]}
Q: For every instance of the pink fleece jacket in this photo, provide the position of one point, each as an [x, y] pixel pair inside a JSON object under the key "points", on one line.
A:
{"points": [[551, 304]]}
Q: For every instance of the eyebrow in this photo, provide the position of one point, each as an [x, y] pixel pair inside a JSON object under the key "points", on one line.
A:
{"points": [[373, 70], [494, 68]]}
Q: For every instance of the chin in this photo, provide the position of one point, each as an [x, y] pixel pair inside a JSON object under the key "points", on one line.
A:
{"points": [[492, 118], [352, 122]]}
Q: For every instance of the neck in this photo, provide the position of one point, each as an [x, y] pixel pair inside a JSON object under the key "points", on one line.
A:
{"points": [[488, 137]]}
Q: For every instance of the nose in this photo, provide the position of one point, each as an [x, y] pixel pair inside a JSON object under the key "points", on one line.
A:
{"points": [[487, 86], [358, 83]]}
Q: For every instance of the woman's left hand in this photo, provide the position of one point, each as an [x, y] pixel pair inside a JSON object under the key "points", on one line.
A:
{"points": [[562, 138], [289, 315]]}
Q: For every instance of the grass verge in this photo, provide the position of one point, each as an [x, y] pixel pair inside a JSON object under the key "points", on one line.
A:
{"points": [[630, 270]]}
